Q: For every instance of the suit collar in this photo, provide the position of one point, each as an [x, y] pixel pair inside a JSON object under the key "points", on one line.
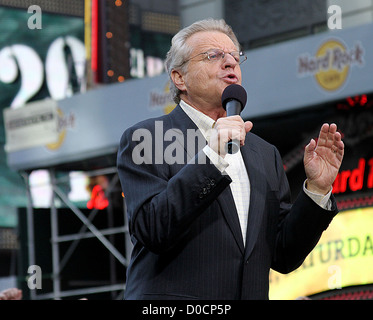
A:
{"points": [[181, 124], [201, 120], [180, 120]]}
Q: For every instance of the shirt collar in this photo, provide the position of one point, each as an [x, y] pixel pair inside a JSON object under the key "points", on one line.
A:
{"points": [[203, 122]]}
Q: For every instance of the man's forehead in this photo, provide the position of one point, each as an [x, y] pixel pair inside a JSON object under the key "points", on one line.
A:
{"points": [[205, 40]]}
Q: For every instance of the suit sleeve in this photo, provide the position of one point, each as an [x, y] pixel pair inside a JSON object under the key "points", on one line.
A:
{"points": [[161, 204], [300, 225]]}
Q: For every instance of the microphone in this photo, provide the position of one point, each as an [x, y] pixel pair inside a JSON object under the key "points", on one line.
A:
{"points": [[233, 100]]}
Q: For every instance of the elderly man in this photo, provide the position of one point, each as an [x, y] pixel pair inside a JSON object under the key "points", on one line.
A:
{"points": [[213, 226]]}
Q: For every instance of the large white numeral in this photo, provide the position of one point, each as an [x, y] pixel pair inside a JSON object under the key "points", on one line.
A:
{"points": [[20, 58], [79, 57], [22, 61], [56, 68], [56, 73]]}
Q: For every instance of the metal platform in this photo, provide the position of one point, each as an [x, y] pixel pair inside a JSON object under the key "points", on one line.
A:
{"points": [[87, 230]]}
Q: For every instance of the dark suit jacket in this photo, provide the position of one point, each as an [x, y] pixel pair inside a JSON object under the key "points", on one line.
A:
{"points": [[184, 226]]}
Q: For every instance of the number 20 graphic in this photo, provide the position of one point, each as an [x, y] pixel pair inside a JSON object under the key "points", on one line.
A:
{"points": [[21, 60]]}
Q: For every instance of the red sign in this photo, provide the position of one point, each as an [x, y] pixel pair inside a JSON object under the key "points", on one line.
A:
{"points": [[354, 180]]}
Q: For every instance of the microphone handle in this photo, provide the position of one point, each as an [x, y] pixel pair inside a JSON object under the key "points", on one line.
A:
{"points": [[233, 107], [233, 146]]}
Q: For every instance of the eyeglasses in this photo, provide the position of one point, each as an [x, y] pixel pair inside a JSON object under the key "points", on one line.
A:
{"points": [[218, 54]]}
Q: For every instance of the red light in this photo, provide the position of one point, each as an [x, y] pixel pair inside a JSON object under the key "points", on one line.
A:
{"points": [[363, 100], [357, 100], [350, 101], [94, 37], [98, 199]]}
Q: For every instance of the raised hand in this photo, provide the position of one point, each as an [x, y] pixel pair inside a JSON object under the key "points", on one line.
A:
{"points": [[323, 160]]}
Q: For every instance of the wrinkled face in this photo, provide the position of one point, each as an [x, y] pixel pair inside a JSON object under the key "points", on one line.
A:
{"points": [[205, 80]]}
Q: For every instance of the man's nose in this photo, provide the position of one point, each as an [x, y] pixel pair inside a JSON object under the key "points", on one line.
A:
{"points": [[229, 61]]}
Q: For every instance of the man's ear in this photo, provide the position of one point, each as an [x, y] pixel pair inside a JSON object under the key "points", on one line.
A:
{"points": [[178, 80]]}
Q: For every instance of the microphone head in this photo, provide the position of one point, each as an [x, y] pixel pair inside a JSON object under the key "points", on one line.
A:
{"points": [[234, 92]]}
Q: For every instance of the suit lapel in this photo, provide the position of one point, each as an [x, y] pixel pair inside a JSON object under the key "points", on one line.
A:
{"points": [[255, 169], [181, 123], [180, 120], [229, 210]]}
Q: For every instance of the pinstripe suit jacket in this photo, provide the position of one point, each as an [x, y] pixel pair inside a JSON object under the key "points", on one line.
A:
{"points": [[184, 225]]}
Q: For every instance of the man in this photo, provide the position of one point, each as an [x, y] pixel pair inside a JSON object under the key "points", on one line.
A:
{"points": [[212, 227]]}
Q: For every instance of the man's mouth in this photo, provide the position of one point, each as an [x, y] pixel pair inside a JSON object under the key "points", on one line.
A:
{"points": [[230, 78]]}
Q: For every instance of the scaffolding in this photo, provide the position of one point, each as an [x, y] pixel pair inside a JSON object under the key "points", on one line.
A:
{"points": [[89, 127], [87, 230]]}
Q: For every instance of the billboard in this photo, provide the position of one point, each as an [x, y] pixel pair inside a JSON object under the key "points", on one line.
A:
{"points": [[40, 58], [343, 257], [309, 71]]}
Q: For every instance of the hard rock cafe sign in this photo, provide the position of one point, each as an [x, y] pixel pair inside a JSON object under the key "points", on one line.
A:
{"points": [[162, 99], [331, 64]]}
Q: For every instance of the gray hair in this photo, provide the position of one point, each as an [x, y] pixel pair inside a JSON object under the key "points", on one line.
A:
{"points": [[180, 51]]}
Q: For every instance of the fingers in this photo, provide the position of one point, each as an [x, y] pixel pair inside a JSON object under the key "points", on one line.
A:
{"points": [[226, 129], [11, 294], [330, 139], [338, 146], [311, 146], [248, 126], [326, 136], [231, 128]]}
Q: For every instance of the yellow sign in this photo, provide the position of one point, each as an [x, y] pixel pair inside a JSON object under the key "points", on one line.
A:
{"points": [[170, 105], [331, 78], [64, 123], [343, 257], [162, 100]]}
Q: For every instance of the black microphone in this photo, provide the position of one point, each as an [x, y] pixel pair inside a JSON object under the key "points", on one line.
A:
{"points": [[233, 100]]}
